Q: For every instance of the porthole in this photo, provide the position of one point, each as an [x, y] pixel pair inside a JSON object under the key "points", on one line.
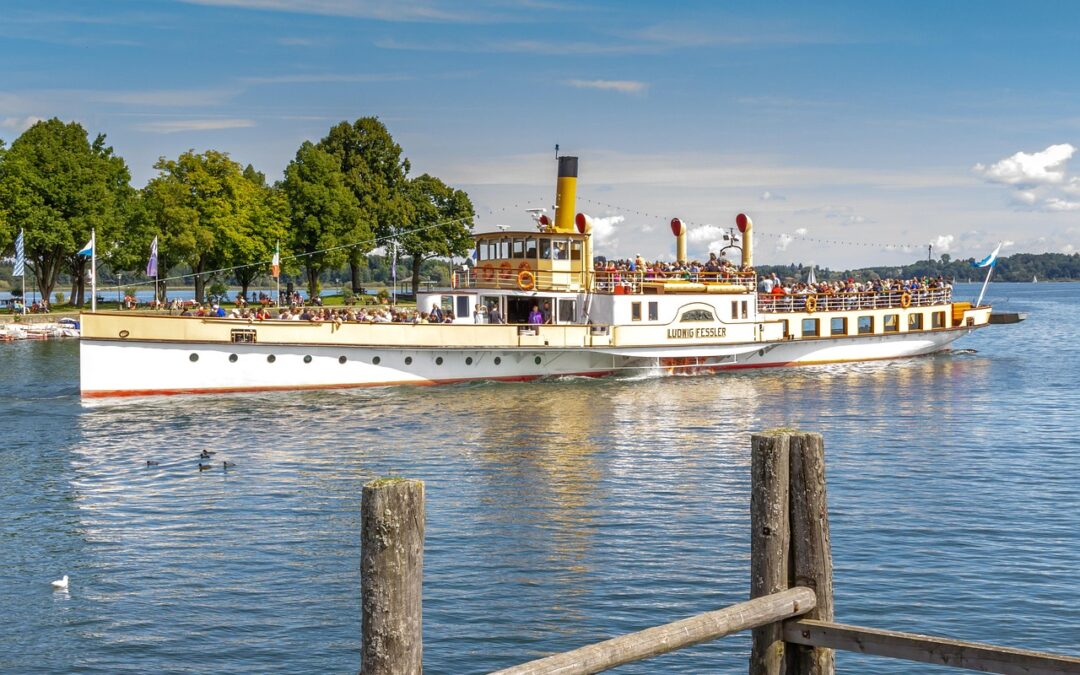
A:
{"points": [[307, 358], [438, 361], [232, 358], [468, 360], [761, 352], [408, 360], [271, 358], [193, 358], [498, 360], [342, 359], [376, 360], [537, 360], [124, 333]]}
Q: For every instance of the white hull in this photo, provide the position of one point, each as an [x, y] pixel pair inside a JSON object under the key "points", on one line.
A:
{"points": [[113, 368]]}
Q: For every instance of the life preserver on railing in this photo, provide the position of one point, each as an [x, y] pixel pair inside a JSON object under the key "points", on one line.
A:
{"points": [[486, 272], [811, 303], [505, 271], [526, 280], [525, 265], [905, 300]]}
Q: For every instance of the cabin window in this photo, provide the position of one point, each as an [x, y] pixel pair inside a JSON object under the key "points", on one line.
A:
{"points": [[567, 310], [654, 311], [519, 248], [530, 249], [938, 319], [462, 310], [734, 309], [635, 311], [245, 335], [545, 248], [744, 309], [810, 327], [838, 325], [560, 250], [492, 251], [504, 249], [866, 325], [891, 323], [481, 253], [696, 315], [914, 321], [575, 250]]}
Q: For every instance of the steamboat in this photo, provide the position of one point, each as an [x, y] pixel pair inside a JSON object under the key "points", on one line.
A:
{"points": [[597, 321]]}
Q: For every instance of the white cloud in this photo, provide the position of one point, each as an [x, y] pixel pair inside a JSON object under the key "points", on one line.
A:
{"points": [[769, 196], [801, 231], [943, 243], [621, 86], [700, 233], [19, 124], [603, 229], [1039, 168], [178, 126], [1057, 204]]}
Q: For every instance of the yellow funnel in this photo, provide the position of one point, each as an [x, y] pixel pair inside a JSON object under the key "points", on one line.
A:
{"points": [[566, 194]]}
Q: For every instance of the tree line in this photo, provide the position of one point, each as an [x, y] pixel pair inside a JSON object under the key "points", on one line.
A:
{"points": [[338, 199]]}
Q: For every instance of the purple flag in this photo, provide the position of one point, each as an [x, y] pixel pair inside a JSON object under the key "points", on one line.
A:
{"points": [[151, 267]]}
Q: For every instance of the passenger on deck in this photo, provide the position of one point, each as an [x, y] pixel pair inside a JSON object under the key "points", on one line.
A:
{"points": [[535, 317], [494, 315]]}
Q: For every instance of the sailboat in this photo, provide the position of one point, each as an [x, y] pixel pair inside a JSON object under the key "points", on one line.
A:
{"points": [[1035, 279], [810, 278]]}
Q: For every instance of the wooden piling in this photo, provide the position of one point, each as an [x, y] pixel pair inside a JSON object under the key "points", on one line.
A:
{"points": [[769, 541], [391, 572], [810, 546]]}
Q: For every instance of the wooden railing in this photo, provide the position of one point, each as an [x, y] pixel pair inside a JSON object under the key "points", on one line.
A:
{"points": [[834, 302], [790, 610]]}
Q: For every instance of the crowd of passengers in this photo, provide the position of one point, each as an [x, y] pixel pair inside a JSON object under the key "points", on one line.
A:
{"points": [[638, 268], [315, 314], [773, 285]]}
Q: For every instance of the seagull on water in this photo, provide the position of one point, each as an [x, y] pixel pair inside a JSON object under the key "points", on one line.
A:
{"points": [[61, 584]]}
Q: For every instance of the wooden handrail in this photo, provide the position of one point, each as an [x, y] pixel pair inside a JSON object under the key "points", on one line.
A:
{"points": [[658, 640], [926, 649]]}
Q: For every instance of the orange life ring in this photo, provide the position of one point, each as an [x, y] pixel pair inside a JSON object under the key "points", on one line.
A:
{"points": [[505, 271], [525, 265], [486, 272], [526, 280], [905, 300], [811, 303]]}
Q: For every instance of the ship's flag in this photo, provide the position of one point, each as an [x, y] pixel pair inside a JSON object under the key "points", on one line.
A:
{"points": [[989, 260], [151, 267], [87, 250], [275, 264], [20, 257]]}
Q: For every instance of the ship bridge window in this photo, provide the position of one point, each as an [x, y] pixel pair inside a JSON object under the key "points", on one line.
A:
{"points": [[545, 248], [575, 250], [481, 252], [560, 250], [504, 248], [696, 315], [519, 248], [530, 248]]}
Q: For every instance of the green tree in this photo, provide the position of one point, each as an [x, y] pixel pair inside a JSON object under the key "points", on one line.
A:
{"points": [[250, 247], [375, 172], [7, 229], [322, 211], [208, 215], [440, 223], [58, 186]]}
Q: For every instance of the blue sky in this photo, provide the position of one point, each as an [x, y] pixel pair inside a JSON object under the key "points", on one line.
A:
{"points": [[876, 127]]}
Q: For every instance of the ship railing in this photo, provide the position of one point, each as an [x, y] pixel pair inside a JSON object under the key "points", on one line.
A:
{"points": [[511, 277], [632, 283], [838, 302]]}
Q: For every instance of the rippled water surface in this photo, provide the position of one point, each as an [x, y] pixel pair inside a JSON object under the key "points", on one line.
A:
{"points": [[559, 512]]}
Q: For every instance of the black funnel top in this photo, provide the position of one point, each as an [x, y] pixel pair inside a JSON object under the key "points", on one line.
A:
{"points": [[568, 167]]}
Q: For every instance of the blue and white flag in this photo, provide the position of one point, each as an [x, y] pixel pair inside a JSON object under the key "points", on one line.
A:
{"points": [[151, 267], [20, 257], [476, 255], [87, 250], [989, 260]]}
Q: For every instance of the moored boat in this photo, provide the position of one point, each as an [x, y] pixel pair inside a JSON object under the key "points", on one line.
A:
{"points": [[537, 303]]}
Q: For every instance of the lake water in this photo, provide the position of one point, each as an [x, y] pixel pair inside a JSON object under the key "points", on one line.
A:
{"points": [[559, 512]]}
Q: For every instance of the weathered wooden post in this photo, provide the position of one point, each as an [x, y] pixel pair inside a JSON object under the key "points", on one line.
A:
{"points": [[810, 546], [391, 572], [769, 541]]}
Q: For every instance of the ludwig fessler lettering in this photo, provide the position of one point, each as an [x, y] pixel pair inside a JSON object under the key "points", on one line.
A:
{"points": [[691, 333]]}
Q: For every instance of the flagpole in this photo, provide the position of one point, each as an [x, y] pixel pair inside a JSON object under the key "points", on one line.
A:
{"points": [[22, 252], [277, 277], [393, 269], [978, 302], [93, 270]]}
